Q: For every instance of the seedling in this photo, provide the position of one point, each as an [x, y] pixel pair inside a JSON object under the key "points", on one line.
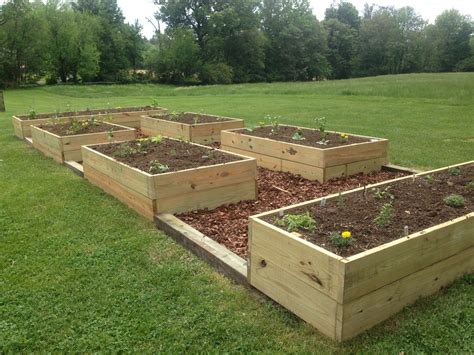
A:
{"points": [[321, 124], [125, 150], [173, 152], [32, 114], [380, 194], [430, 179], [298, 136], [196, 119], [455, 201], [384, 215], [110, 134], [154, 102], [340, 201], [294, 223], [157, 139], [157, 168], [262, 124], [455, 171], [74, 127], [343, 138], [470, 185], [274, 122], [343, 239]]}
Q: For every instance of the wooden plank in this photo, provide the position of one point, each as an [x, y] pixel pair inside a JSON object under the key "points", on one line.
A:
{"points": [[77, 168], [366, 166], [208, 199], [306, 262], [154, 126], [355, 153], [263, 161], [72, 155], [307, 171], [257, 145], [379, 266], [143, 205], [367, 311], [75, 142], [218, 256], [17, 127], [305, 301], [204, 178], [47, 143], [134, 179]]}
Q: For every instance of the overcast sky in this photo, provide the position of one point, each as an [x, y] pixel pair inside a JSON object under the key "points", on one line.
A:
{"points": [[429, 9]]}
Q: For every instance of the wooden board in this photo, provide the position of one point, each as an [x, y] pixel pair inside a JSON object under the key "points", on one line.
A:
{"points": [[202, 133]]}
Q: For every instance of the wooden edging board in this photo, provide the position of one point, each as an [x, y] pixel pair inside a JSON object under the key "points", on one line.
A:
{"points": [[343, 297], [68, 148], [313, 163], [131, 119], [172, 192], [202, 133]]}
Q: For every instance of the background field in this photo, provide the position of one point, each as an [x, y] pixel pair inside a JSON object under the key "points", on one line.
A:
{"points": [[81, 272]]}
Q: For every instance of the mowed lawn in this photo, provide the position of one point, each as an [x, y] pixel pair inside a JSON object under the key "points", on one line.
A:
{"points": [[81, 272]]}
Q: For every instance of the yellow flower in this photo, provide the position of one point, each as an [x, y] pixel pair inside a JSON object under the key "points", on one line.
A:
{"points": [[346, 234]]}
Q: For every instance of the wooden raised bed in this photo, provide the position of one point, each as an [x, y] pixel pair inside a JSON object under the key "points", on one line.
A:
{"points": [[313, 163], [129, 118], [202, 133], [172, 192], [343, 297], [68, 148]]}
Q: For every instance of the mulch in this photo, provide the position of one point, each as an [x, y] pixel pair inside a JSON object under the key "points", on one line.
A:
{"points": [[228, 224]]}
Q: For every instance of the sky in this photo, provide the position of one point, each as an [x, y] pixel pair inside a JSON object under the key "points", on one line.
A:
{"points": [[428, 9]]}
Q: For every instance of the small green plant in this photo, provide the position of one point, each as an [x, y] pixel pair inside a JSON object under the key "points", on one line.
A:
{"points": [[74, 127], [384, 215], [455, 171], [321, 124], [430, 179], [157, 139], [342, 240], [380, 194], [157, 168], [340, 201], [125, 150], [196, 119], [299, 135], [274, 122], [32, 114], [470, 185], [107, 118], [262, 124], [154, 102], [173, 152], [297, 222], [250, 127], [454, 201], [110, 134], [343, 138]]}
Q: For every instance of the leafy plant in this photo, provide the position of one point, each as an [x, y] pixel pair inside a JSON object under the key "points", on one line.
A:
{"points": [[380, 194], [262, 124], [110, 134], [343, 138], [454, 171], [74, 127], [274, 122], [321, 124], [32, 114], [125, 150], [455, 201], [343, 239], [157, 139], [297, 222], [196, 119], [157, 168], [470, 185], [340, 201], [384, 215], [299, 135], [430, 179], [154, 102]]}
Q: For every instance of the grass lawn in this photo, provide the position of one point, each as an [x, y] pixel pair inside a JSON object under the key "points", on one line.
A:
{"points": [[81, 272]]}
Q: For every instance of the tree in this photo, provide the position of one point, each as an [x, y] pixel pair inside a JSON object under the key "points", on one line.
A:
{"points": [[296, 42], [344, 12]]}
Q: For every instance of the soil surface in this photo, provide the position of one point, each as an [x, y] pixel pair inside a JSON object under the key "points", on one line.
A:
{"points": [[87, 112], [311, 137], [416, 203], [228, 224], [190, 118], [63, 129], [176, 155]]}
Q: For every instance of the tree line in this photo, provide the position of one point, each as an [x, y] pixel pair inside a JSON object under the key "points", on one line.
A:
{"points": [[226, 41]]}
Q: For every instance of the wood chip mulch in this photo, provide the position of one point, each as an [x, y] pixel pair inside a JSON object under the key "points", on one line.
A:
{"points": [[228, 224]]}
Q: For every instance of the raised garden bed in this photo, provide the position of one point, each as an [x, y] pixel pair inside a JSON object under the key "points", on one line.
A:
{"points": [[192, 127], [128, 116], [169, 176], [423, 245], [63, 141], [300, 151]]}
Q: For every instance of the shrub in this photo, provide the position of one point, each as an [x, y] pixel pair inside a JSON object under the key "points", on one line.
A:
{"points": [[454, 201], [219, 73]]}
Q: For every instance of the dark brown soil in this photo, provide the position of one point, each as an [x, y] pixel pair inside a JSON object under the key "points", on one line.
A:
{"points": [[191, 118], [86, 112], [228, 224], [177, 155], [417, 204], [64, 129], [311, 137]]}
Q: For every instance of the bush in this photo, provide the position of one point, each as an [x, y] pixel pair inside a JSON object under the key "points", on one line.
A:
{"points": [[454, 201], [219, 73]]}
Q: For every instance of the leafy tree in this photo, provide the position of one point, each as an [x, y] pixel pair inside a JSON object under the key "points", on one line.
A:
{"points": [[344, 12]]}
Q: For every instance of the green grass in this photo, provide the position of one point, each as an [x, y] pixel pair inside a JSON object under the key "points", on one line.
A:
{"points": [[81, 272]]}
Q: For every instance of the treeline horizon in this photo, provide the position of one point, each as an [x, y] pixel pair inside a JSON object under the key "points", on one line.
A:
{"points": [[225, 41]]}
